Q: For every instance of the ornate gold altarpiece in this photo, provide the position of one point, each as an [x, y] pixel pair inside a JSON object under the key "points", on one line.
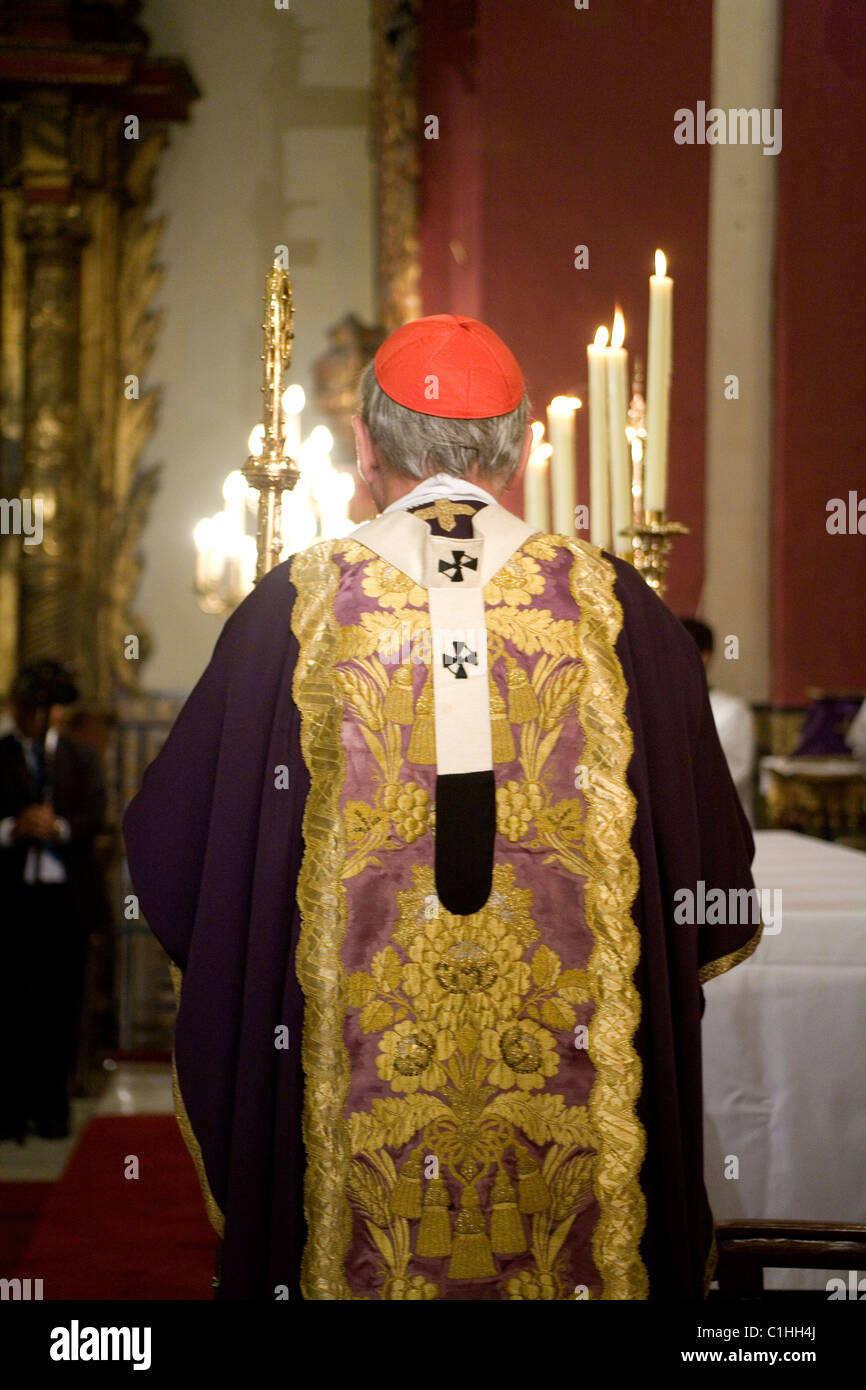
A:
{"points": [[396, 25], [76, 325]]}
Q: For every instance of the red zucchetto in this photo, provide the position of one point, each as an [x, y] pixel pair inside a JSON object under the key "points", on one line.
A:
{"points": [[451, 366]]}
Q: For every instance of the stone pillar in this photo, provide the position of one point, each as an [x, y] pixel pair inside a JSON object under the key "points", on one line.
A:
{"points": [[740, 342]]}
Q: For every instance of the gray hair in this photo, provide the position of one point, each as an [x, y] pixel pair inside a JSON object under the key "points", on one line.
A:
{"points": [[416, 445]]}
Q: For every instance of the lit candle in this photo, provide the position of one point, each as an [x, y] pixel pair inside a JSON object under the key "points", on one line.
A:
{"points": [[298, 519], [334, 504], [293, 403], [203, 538], [248, 559], [599, 477], [535, 506], [563, 462], [226, 537], [659, 359], [235, 492], [620, 471]]}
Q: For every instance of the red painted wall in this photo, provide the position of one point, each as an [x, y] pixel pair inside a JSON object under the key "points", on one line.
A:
{"points": [[819, 580], [556, 128]]}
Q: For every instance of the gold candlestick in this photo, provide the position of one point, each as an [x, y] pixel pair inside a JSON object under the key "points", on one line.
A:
{"points": [[273, 472], [636, 436], [652, 541], [650, 535]]}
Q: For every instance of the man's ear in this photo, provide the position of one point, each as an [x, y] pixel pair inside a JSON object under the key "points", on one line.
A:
{"points": [[365, 449]]}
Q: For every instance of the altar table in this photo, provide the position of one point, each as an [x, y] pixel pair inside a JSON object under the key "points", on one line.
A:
{"points": [[784, 1054]]}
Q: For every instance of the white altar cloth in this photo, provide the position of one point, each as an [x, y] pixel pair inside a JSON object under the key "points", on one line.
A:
{"points": [[784, 1051]]}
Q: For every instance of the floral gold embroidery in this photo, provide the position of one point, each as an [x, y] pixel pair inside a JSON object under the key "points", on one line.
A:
{"points": [[533, 630], [392, 588], [353, 552], [400, 811], [467, 1008], [516, 582], [372, 635], [541, 547]]}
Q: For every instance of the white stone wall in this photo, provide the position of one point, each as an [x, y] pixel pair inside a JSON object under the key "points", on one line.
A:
{"points": [[278, 150]]}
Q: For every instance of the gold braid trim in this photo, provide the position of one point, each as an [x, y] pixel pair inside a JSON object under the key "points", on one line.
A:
{"points": [[610, 890], [725, 963], [322, 902], [215, 1216]]}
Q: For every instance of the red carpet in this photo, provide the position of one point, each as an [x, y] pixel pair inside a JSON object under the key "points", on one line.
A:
{"points": [[104, 1236], [21, 1204]]}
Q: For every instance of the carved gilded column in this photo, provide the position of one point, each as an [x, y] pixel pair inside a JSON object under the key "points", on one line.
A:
{"points": [[85, 113], [396, 136], [55, 469]]}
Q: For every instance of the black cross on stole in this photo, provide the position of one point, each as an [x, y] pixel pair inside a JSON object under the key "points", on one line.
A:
{"points": [[458, 562], [461, 658]]}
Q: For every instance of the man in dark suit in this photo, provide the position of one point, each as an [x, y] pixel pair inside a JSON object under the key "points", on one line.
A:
{"points": [[52, 804]]}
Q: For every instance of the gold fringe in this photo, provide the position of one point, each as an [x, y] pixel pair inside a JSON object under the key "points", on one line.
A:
{"points": [[722, 964], [406, 1197], [507, 1236], [500, 729], [422, 744], [434, 1233], [472, 1257], [609, 892], [532, 1193], [522, 699], [214, 1215], [397, 705], [321, 896]]}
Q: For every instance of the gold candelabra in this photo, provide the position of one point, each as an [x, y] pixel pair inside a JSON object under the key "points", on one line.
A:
{"points": [[273, 472], [650, 535], [228, 561]]}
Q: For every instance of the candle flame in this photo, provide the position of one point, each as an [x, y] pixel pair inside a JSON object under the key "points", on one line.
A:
{"points": [[293, 399], [203, 534], [539, 456], [617, 337], [256, 441], [601, 335], [537, 433], [564, 405], [235, 487], [661, 263], [322, 439]]}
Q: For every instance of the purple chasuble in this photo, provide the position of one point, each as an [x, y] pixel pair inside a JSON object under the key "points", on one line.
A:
{"points": [[388, 1099]]}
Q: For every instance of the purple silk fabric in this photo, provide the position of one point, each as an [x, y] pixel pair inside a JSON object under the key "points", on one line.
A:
{"points": [[214, 849]]}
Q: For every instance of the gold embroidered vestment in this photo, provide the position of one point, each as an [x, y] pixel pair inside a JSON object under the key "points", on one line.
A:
{"points": [[470, 1081]]}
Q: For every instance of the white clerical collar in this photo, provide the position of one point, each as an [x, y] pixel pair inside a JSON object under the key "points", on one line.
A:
{"points": [[440, 485]]}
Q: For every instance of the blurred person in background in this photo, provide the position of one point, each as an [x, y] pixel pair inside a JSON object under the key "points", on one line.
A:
{"points": [[735, 723], [52, 804]]}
